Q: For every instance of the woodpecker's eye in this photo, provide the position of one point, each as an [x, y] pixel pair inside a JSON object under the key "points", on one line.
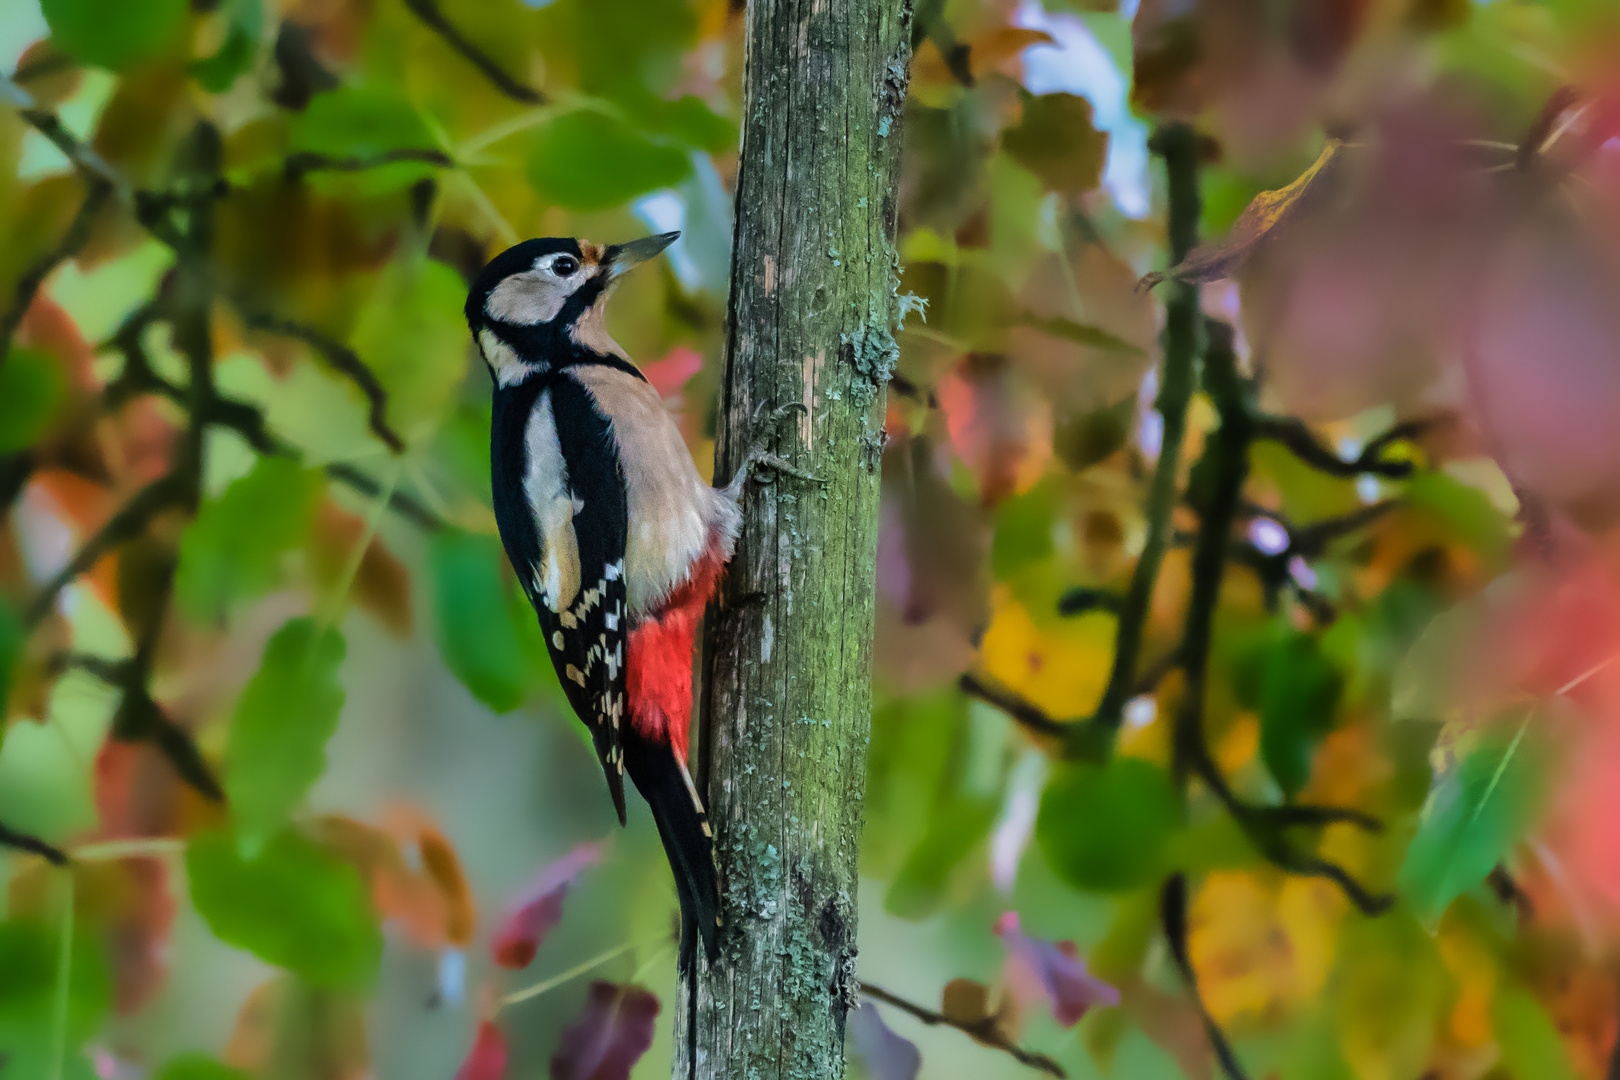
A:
{"points": [[564, 265]]}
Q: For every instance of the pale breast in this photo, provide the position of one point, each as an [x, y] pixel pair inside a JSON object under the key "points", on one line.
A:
{"points": [[673, 513]]}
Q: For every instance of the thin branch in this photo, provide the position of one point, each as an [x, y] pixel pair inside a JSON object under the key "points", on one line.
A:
{"points": [[1297, 436], [139, 718], [129, 522], [406, 506], [986, 1032], [1224, 468], [301, 164], [1173, 918], [345, 361], [428, 11], [1081, 599], [1020, 709], [21, 841], [244, 418], [50, 125], [73, 241], [1178, 145]]}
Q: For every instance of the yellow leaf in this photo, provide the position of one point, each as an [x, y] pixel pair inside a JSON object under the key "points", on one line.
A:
{"points": [[1262, 945], [1061, 666]]}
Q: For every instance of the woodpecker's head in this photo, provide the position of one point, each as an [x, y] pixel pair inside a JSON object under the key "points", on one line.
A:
{"points": [[543, 299]]}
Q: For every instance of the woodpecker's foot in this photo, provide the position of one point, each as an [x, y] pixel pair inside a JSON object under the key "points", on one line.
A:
{"points": [[760, 456]]}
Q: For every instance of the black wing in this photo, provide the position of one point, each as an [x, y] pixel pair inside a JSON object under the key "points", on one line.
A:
{"points": [[586, 638]]}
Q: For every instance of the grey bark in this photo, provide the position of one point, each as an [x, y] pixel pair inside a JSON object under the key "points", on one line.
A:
{"points": [[787, 706]]}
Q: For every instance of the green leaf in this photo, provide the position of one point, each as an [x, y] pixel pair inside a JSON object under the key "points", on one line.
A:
{"points": [[954, 830], [1023, 529], [1466, 511], [413, 337], [237, 53], [115, 33], [1106, 827], [487, 632], [1299, 693], [364, 122], [1476, 811], [1083, 439], [232, 551], [276, 748], [32, 389], [13, 636], [30, 956], [296, 905], [688, 120], [1056, 141], [590, 160], [198, 1067], [1532, 1048]]}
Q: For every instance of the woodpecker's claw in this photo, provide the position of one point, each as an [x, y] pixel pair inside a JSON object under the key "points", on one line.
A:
{"points": [[759, 455]]}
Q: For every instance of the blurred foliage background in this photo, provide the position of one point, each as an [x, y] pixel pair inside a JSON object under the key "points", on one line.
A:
{"points": [[1245, 691]]}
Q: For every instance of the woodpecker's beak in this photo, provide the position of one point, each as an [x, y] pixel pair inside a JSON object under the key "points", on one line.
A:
{"points": [[622, 258]]}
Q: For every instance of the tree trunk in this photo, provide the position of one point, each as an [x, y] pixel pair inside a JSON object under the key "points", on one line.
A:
{"points": [[788, 694]]}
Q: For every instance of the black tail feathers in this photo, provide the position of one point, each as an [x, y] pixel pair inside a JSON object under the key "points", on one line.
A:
{"points": [[664, 782]]}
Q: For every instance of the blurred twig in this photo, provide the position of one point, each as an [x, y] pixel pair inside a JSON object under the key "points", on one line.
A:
{"points": [[1020, 709], [130, 521], [344, 360], [1173, 919], [73, 241], [246, 419], [1217, 496], [20, 841], [1178, 145], [428, 11], [139, 718], [300, 164], [986, 1032], [1297, 436]]}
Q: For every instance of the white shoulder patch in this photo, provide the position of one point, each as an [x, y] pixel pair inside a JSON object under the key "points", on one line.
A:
{"points": [[503, 360], [545, 483]]}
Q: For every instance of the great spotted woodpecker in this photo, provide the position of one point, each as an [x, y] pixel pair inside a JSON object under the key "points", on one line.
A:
{"points": [[616, 539]]}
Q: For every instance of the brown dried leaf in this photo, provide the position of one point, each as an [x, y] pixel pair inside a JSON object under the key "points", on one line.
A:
{"points": [[1265, 215], [1057, 141], [289, 1031], [966, 1001]]}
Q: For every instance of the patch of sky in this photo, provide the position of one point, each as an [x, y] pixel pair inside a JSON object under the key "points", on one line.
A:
{"points": [[1079, 64]]}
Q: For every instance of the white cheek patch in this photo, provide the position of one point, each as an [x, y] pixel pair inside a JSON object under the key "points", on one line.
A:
{"points": [[530, 298]]}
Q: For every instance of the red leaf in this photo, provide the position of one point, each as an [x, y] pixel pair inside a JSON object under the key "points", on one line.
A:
{"points": [[487, 1058], [1000, 425], [612, 1032], [669, 374], [1037, 968], [539, 907], [888, 1056]]}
